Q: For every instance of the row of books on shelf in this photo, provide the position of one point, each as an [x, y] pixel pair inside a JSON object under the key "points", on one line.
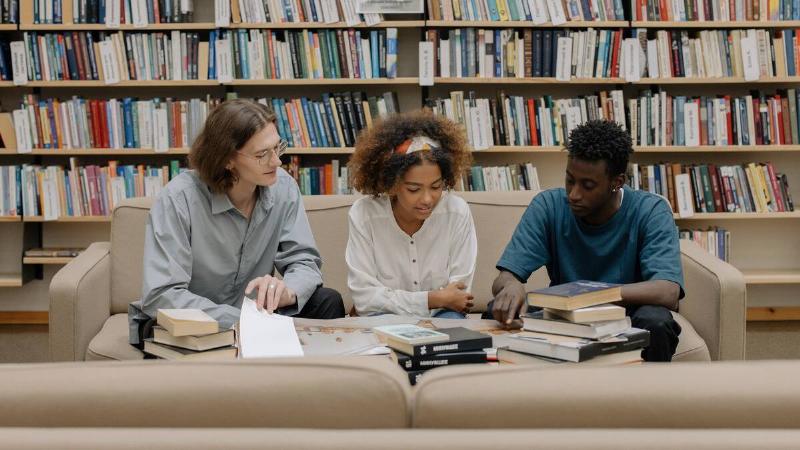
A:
{"points": [[330, 178], [303, 54], [556, 12], [715, 10], [751, 54], [112, 12], [295, 11], [751, 187], [114, 123], [111, 57], [525, 53], [55, 191], [657, 118], [715, 240], [511, 177]]}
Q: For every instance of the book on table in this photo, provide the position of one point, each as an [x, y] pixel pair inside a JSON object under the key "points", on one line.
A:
{"points": [[538, 321], [459, 339], [586, 315], [186, 322], [197, 343], [507, 356], [439, 360], [575, 295], [570, 348], [165, 351]]}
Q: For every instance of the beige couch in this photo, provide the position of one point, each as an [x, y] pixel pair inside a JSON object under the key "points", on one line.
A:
{"points": [[89, 297], [365, 403]]}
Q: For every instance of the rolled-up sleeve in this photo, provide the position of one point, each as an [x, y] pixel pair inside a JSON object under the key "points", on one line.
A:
{"points": [[168, 264], [369, 295], [298, 259]]}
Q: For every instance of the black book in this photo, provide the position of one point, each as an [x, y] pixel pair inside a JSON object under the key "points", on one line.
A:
{"points": [[440, 360], [382, 52], [348, 139], [361, 118], [461, 340], [568, 348], [547, 53], [414, 376], [351, 117], [538, 58]]}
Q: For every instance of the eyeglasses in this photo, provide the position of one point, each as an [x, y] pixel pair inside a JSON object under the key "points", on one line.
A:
{"points": [[265, 156]]}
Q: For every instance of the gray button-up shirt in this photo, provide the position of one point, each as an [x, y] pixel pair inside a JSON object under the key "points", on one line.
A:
{"points": [[200, 251]]}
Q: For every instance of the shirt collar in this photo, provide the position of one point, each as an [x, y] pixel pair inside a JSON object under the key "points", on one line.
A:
{"points": [[221, 203]]}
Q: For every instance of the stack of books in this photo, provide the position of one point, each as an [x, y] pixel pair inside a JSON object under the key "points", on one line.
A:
{"points": [[574, 322], [189, 334], [417, 349]]}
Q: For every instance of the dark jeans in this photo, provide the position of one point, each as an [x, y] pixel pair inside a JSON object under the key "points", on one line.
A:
{"points": [[664, 331], [324, 303]]}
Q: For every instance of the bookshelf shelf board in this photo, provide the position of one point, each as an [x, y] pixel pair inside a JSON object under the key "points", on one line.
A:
{"points": [[717, 148], [99, 152], [76, 219], [46, 260], [768, 276], [741, 216], [122, 27], [723, 80], [305, 25], [538, 80], [525, 24], [519, 149], [10, 280], [24, 317], [767, 314], [8, 84], [9, 219], [326, 82], [718, 24], [132, 83], [8, 27], [319, 151]]}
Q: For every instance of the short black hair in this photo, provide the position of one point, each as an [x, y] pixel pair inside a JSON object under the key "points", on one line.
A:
{"points": [[601, 140]]}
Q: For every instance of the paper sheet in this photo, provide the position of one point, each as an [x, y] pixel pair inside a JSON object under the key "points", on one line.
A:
{"points": [[263, 335]]}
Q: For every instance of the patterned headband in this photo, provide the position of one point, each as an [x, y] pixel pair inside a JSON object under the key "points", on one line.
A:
{"points": [[415, 144]]}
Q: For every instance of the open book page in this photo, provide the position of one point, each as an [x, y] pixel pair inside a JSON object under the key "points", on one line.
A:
{"points": [[263, 335]]}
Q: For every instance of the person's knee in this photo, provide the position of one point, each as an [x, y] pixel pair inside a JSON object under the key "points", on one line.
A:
{"points": [[332, 301]]}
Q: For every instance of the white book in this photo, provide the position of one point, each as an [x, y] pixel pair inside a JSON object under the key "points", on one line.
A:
{"points": [[117, 190], [556, 10], [223, 56], [750, 58], [691, 123], [652, 58], [140, 19], [161, 131], [222, 13], [110, 65], [539, 11], [19, 63], [683, 192], [426, 63], [564, 59], [50, 197], [630, 53], [22, 129]]}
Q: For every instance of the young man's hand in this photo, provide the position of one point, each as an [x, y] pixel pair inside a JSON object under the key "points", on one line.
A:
{"points": [[272, 293], [509, 299]]}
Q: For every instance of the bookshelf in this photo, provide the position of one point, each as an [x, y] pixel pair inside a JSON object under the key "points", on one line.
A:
{"points": [[46, 260], [764, 245]]}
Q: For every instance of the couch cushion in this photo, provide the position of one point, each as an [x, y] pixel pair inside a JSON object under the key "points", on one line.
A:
{"points": [[354, 392], [694, 395], [127, 251], [691, 347], [111, 343]]}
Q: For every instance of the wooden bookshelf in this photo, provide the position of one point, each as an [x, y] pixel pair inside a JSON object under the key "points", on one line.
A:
{"points": [[10, 280], [132, 83], [122, 27], [321, 25], [714, 81], [718, 24], [767, 276], [742, 216], [717, 149], [96, 151], [327, 82], [8, 27], [10, 219], [24, 318], [773, 314], [524, 24], [68, 219], [519, 81], [47, 260]]}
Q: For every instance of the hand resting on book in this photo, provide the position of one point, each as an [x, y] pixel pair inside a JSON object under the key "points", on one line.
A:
{"points": [[272, 293]]}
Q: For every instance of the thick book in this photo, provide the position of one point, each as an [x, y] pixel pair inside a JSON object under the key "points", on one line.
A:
{"points": [[165, 351], [576, 294], [460, 340], [570, 348], [540, 322], [187, 322], [411, 334], [439, 360], [589, 314], [506, 356], [197, 343]]}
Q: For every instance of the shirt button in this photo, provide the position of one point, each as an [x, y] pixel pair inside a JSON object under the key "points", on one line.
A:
{"points": [[412, 242], [413, 260], [415, 282]]}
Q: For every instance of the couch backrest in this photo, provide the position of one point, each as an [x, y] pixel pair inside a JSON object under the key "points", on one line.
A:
{"points": [[343, 392], [728, 395], [127, 251]]}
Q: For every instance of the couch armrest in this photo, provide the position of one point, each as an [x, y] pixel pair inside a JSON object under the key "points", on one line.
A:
{"points": [[715, 301], [80, 302]]}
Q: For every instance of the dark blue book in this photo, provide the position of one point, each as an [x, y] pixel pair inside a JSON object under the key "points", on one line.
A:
{"points": [[575, 294], [331, 119], [127, 114]]}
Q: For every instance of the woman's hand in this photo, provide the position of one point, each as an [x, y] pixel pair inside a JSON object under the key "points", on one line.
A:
{"points": [[453, 297], [272, 293]]}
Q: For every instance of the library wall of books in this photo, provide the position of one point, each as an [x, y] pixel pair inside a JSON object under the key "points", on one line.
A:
{"points": [[100, 101]]}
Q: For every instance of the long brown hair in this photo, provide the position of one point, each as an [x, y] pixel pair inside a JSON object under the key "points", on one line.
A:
{"points": [[227, 129]]}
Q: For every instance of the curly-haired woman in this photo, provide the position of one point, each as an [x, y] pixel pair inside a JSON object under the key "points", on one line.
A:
{"points": [[412, 245]]}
